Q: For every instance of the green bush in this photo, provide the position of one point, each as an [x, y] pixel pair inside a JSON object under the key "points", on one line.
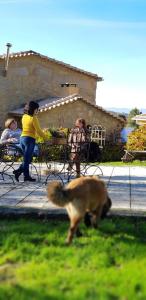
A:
{"points": [[137, 139], [112, 152], [53, 153]]}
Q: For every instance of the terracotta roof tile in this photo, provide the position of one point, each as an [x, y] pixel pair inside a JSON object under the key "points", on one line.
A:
{"points": [[52, 103], [33, 53]]}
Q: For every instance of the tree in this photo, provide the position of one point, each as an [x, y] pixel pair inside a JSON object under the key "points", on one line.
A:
{"points": [[137, 139], [130, 123]]}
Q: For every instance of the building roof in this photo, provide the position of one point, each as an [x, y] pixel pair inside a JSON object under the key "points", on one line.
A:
{"points": [[33, 53], [140, 119], [53, 102]]}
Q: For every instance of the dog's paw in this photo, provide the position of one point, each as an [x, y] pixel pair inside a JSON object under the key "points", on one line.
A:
{"points": [[67, 242], [78, 233]]}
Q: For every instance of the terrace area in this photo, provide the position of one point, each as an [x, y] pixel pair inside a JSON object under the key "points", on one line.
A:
{"points": [[126, 187]]}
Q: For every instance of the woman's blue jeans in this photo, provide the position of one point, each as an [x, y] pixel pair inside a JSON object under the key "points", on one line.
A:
{"points": [[27, 145]]}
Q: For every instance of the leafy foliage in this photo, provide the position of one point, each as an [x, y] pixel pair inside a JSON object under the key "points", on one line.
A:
{"points": [[53, 132], [59, 133], [137, 139], [48, 134], [130, 123], [112, 152]]}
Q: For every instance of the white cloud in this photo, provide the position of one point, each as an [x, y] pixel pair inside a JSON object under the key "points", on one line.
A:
{"points": [[98, 23]]}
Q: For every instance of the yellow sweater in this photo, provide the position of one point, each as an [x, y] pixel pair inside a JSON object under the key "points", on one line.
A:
{"points": [[31, 127]]}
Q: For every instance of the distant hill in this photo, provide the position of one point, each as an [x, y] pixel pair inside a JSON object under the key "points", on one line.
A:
{"points": [[119, 109], [123, 110]]}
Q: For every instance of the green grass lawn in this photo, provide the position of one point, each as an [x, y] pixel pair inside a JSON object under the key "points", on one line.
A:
{"points": [[108, 263], [135, 163]]}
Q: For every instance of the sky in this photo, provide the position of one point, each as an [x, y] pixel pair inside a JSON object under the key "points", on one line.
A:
{"points": [[106, 37]]}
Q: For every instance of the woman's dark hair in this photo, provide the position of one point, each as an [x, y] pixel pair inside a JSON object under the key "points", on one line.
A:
{"points": [[30, 107]]}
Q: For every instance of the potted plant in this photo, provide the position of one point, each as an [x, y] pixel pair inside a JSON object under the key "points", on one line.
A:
{"points": [[59, 136]]}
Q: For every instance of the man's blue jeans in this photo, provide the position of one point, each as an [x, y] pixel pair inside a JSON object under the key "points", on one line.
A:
{"points": [[27, 145]]}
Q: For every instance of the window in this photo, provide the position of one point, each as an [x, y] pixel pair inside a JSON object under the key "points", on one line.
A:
{"points": [[98, 134]]}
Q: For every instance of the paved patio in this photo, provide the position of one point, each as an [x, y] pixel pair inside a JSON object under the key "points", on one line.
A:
{"points": [[126, 187]]}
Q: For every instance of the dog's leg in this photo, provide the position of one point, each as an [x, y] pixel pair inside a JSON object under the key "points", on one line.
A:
{"points": [[94, 220], [96, 216], [106, 207], [72, 230], [87, 219]]}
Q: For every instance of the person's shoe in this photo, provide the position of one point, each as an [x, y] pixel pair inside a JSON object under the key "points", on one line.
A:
{"points": [[69, 168], [29, 179], [17, 173]]}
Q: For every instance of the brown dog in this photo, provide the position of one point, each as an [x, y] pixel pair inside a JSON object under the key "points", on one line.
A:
{"points": [[81, 195]]}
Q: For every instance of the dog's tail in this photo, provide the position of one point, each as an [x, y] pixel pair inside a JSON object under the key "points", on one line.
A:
{"points": [[58, 194]]}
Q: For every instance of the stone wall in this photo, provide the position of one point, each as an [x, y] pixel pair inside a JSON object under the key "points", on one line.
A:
{"points": [[63, 116], [34, 78]]}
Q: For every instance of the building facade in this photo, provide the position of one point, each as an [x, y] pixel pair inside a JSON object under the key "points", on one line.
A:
{"points": [[64, 92], [32, 76]]}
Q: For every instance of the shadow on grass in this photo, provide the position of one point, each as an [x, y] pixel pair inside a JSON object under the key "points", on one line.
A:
{"points": [[54, 232], [125, 227]]}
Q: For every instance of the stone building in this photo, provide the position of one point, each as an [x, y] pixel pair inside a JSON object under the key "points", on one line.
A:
{"points": [[62, 112], [64, 92]]}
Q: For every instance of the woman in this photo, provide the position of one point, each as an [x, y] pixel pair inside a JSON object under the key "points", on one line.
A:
{"points": [[11, 137], [11, 133], [78, 138], [30, 127]]}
